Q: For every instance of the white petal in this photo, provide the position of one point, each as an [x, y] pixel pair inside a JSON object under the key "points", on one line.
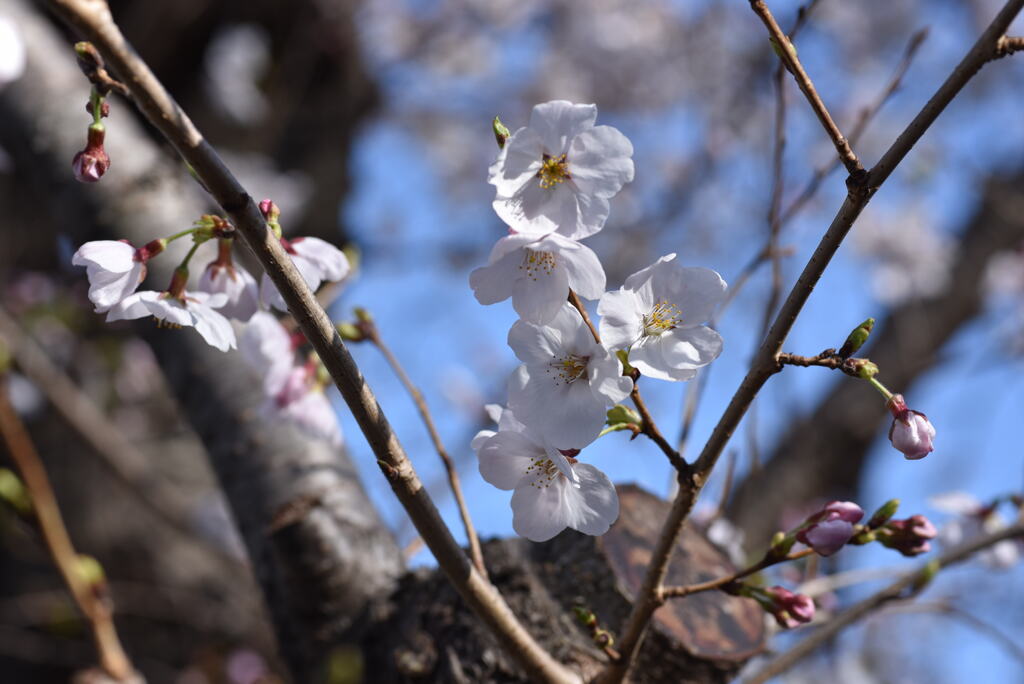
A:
{"points": [[507, 457], [594, 506], [606, 377], [540, 295], [267, 348], [586, 276], [331, 261], [600, 161], [314, 414], [697, 293], [517, 163], [541, 344], [663, 264], [494, 411], [689, 348], [133, 306], [621, 319], [215, 328], [558, 122], [240, 287], [170, 310], [108, 255], [494, 283], [540, 510], [480, 438], [107, 288]]}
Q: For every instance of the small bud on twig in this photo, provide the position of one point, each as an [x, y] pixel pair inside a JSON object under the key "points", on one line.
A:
{"points": [[501, 132], [856, 339]]}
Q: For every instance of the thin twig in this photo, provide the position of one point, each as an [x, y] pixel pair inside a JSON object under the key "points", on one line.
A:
{"points": [[905, 587], [106, 440], [647, 426], [765, 361], [957, 613], [867, 114], [93, 20], [92, 605], [788, 56], [369, 328], [767, 561]]}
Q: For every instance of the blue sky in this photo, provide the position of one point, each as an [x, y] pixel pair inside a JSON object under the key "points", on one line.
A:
{"points": [[409, 227]]}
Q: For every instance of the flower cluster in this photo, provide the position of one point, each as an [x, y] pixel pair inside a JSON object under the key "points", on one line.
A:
{"points": [[554, 179], [226, 292]]}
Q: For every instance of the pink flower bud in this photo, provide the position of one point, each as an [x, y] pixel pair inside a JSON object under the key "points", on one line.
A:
{"points": [[910, 537], [911, 432], [789, 610], [828, 530], [91, 163]]}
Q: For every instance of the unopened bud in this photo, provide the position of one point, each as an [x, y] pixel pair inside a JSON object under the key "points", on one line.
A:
{"points": [[92, 162], [90, 570], [13, 491], [856, 339], [620, 414], [928, 573], [884, 512], [501, 132], [350, 332]]}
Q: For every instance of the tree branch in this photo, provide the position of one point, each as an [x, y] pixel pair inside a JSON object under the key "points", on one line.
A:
{"points": [[92, 604], [765, 360], [906, 587], [787, 53], [93, 20]]}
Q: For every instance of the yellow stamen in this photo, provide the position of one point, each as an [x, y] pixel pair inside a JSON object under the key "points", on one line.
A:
{"points": [[568, 369], [553, 170], [663, 317], [544, 470], [537, 263]]}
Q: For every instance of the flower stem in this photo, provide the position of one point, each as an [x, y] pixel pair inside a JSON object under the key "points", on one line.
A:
{"points": [[187, 231], [881, 388]]}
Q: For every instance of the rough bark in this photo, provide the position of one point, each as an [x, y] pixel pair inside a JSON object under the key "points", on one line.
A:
{"points": [[823, 453], [321, 564], [426, 635]]}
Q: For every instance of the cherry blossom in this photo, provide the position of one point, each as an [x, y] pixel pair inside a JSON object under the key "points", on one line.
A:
{"points": [[566, 382], [658, 316], [910, 432], [789, 610], [294, 392], [557, 173], [222, 275], [829, 529], [115, 269], [191, 309], [551, 491], [538, 274], [316, 260], [974, 519], [910, 537]]}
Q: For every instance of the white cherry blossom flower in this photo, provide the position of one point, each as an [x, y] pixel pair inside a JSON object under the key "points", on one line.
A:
{"points": [[191, 309], [114, 268], [223, 275], [538, 274], [658, 316], [268, 349], [566, 381], [558, 173], [551, 491], [301, 401], [295, 392], [316, 260], [973, 520]]}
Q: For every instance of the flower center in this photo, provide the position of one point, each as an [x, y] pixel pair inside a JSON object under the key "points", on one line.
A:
{"points": [[568, 369], [537, 264], [663, 317], [553, 170], [542, 472]]}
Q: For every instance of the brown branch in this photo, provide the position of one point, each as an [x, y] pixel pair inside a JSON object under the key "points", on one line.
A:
{"points": [[767, 561], [765, 361], [369, 328], [787, 53], [90, 602], [649, 428], [93, 20], [905, 587], [866, 116], [574, 299]]}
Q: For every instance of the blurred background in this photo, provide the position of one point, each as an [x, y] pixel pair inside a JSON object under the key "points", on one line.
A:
{"points": [[369, 125]]}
